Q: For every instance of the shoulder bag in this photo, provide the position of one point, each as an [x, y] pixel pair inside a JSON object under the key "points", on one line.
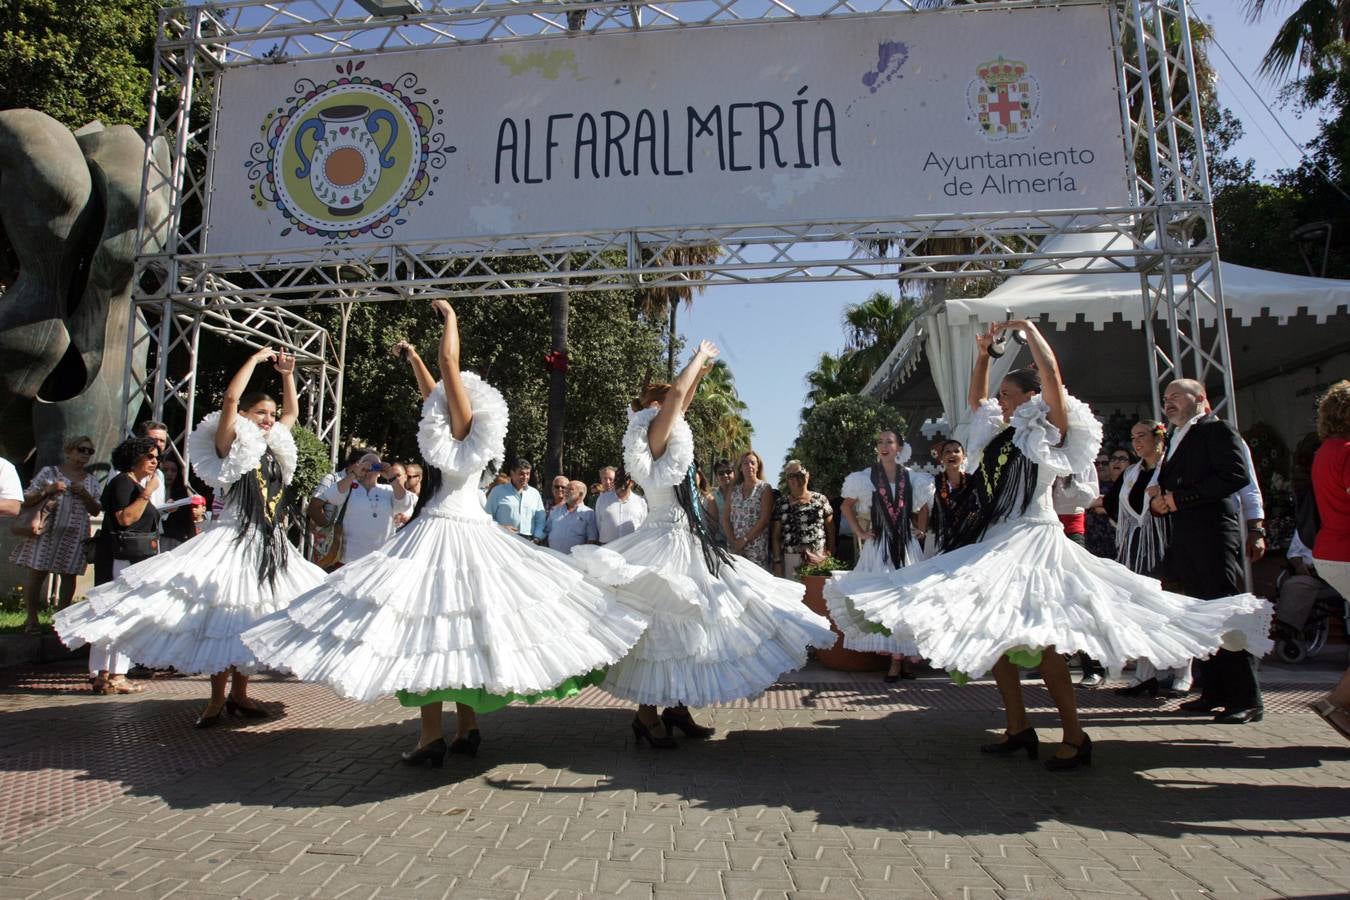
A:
{"points": [[328, 540]]}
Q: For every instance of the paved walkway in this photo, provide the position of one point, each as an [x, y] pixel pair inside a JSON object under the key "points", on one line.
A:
{"points": [[829, 786]]}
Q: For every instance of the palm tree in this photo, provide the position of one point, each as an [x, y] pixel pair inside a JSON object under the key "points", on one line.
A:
{"points": [[665, 301], [731, 430], [1306, 35], [874, 327], [832, 377]]}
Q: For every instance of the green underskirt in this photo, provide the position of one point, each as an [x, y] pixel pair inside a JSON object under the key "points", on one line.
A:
{"points": [[481, 701]]}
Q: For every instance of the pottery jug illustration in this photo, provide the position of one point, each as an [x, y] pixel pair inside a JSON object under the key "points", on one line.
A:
{"points": [[347, 161]]}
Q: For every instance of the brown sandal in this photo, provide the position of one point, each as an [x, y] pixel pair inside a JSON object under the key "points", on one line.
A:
{"points": [[119, 684], [98, 684], [1335, 716]]}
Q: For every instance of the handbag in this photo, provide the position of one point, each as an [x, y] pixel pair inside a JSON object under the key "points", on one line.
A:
{"points": [[134, 546], [328, 541], [33, 521]]}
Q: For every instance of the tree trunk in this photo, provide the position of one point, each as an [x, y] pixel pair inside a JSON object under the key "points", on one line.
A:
{"points": [[557, 390], [670, 342]]}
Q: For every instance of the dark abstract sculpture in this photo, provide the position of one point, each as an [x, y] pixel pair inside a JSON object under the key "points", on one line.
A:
{"points": [[68, 213]]}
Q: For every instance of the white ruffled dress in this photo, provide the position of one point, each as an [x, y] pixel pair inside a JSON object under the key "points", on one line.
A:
{"points": [[712, 638], [187, 607], [860, 634], [452, 608], [1026, 586]]}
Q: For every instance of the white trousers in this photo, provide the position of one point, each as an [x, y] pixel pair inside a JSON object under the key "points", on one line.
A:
{"points": [[1144, 670], [104, 657]]}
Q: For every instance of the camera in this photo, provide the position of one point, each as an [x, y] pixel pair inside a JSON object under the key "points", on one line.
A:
{"points": [[377, 467]]}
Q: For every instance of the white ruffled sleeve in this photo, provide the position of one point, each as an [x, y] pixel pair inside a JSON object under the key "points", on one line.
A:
{"points": [[486, 440], [985, 424], [921, 487], [245, 453], [673, 465], [281, 442], [1038, 438], [857, 486]]}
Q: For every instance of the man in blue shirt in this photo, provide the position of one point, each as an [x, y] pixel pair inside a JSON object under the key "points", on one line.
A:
{"points": [[516, 506], [571, 523]]}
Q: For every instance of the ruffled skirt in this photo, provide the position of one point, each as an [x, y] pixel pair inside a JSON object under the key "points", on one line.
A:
{"points": [[712, 639], [1028, 586], [450, 604], [860, 634], [186, 608]]}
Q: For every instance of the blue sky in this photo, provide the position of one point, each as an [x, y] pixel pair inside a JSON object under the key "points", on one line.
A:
{"points": [[773, 335]]}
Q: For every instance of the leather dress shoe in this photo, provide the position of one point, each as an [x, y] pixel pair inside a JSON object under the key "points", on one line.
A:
{"points": [[1240, 716], [1200, 704]]}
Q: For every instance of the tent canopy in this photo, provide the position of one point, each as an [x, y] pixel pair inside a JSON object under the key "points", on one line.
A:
{"points": [[1093, 314]]}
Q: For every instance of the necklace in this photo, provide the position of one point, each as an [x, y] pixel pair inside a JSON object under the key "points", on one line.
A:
{"points": [[374, 499]]}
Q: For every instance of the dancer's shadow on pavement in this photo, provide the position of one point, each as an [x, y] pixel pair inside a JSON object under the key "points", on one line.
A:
{"points": [[908, 771]]}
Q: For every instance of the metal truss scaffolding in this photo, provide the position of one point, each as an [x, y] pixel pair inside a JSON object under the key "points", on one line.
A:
{"points": [[247, 296]]}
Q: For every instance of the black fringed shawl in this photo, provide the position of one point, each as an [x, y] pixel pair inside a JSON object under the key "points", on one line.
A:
{"points": [[891, 515], [1003, 486], [686, 492], [260, 496]]}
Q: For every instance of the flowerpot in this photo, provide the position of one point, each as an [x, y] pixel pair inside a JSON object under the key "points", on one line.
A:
{"points": [[837, 657]]}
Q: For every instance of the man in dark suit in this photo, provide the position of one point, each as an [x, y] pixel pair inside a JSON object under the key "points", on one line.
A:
{"points": [[1202, 469]]}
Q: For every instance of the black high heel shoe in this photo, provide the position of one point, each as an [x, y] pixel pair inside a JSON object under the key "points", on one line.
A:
{"points": [[679, 717], [248, 712], [643, 733], [1024, 739], [468, 745], [205, 721], [1082, 756], [433, 753], [1149, 687]]}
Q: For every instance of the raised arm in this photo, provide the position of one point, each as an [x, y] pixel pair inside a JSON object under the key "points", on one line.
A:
{"points": [[1052, 381], [693, 390], [456, 396], [425, 383], [979, 375], [677, 399], [290, 398], [229, 407]]}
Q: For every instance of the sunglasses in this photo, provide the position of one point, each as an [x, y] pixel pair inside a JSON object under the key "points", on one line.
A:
{"points": [[1120, 459], [84, 449]]}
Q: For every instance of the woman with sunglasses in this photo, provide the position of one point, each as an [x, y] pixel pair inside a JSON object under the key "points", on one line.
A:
{"points": [[186, 608], [130, 534], [59, 550]]}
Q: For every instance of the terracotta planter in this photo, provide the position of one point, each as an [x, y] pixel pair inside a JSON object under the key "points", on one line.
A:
{"points": [[837, 657]]}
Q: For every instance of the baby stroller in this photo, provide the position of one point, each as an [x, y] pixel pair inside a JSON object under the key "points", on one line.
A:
{"points": [[1303, 610]]}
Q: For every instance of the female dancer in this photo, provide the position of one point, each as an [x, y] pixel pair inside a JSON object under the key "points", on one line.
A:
{"points": [[452, 607], [1141, 542], [721, 628], [186, 608], [1009, 583], [897, 502]]}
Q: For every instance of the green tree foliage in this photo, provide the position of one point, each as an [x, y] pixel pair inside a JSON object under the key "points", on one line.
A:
{"points": [[838, 437], [78, 60], [717, 418], [873, 328]]}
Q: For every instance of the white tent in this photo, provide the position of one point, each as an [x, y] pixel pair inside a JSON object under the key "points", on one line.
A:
{"points": [[1290, 337]]}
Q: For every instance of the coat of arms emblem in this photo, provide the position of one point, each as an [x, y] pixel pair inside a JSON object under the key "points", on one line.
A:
{"points": [[1004, 100]]}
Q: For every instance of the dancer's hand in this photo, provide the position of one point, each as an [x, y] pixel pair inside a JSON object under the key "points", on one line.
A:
{"points": [[284, 363], [262, 355], [982, 341], [1026, 326], [442, 306], [707, 351], [403, 350]]}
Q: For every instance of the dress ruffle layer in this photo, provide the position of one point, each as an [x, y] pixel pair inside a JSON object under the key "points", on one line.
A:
{"points": [[186, 608], [250, 443], [1032, 587], [672, 467], [449, 603]]}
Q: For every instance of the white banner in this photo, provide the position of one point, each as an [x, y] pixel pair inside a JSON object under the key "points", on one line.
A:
{"points": [[985, 111]]}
